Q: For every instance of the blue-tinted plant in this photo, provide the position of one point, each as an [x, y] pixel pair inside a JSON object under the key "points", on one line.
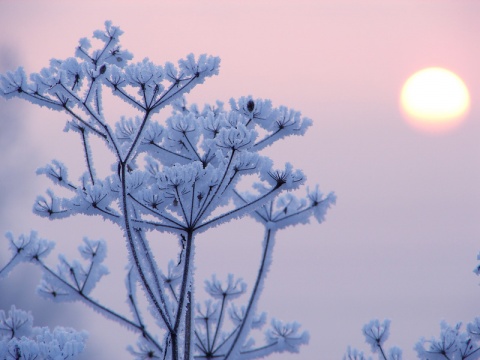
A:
{"points": [[180, 177], [453, 343]]}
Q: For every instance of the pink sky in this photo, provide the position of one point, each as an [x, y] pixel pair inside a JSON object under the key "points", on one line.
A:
{"points": [[401, 242]]}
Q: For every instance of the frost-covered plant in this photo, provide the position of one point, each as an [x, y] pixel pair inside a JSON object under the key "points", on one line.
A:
{"points": [[19, 339], [179, 177], [376, 334], [453, 343]]}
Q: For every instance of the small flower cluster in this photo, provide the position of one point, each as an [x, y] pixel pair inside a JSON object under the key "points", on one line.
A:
{"points": [[19, 339], [453, 343], [216, 340], [376, 334]]}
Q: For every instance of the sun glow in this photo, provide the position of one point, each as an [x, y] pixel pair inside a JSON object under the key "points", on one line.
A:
{"points": [[434, 99]]}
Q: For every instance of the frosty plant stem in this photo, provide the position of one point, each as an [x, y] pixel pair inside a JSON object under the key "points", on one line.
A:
{"points": [[180, 177], [262, 271]]}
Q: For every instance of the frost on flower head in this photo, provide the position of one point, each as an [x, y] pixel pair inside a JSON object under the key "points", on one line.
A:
{"points": [[231, 290], [286, 336], [453, 343], [207, 312], [72, 279], [376, 333], [26, 248], [19, 339], [144, 351], [30, 247], [395, 353], [238, 315]]}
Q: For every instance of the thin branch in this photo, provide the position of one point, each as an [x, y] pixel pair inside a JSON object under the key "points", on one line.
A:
{"points": [[8, 263], [132, 299], [232, 212], [98, 306], [200, 344], [266, 138], [193, 148], [255, 292], [171, 152], [43, 98], [217, 328], [259, 349], [85, 123], [202, 211], [90, 268], [138, 265], [246, 202], [165, 97], [226, 339], [385, 356], [154, 271], [162, 216], [132, 100], [104, 49], [157, 225], [87, 156], [181, 206], [137, 137]]}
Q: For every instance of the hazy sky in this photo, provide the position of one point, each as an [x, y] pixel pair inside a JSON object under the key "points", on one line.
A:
{"points": [[402, 240]]}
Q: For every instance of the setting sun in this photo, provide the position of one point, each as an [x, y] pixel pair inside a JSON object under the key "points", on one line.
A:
{"points": [[434, 99]]}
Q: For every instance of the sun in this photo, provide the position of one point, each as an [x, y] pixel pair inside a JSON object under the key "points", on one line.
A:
{"points": [[434, 99]]}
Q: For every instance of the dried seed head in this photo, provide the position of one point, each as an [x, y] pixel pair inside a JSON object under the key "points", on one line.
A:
{"points": [[250, 105]]}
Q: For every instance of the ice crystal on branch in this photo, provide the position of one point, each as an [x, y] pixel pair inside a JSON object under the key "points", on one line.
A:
{"points": [[180, 176]]}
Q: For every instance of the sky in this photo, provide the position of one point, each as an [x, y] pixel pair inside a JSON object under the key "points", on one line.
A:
{"points": [[402, 241]]}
